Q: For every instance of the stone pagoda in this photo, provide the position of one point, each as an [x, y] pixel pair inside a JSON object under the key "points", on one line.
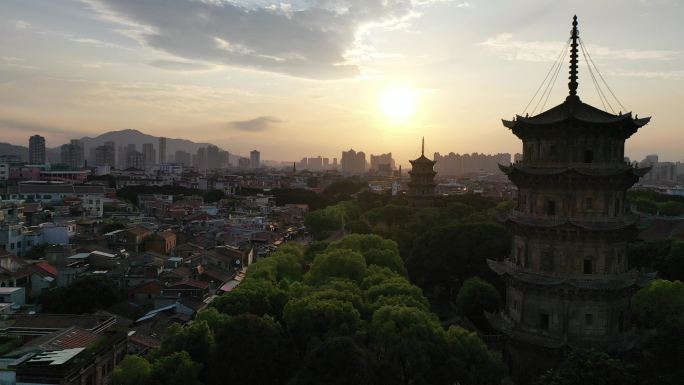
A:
{"points": [[568, 283], [422, 185]]}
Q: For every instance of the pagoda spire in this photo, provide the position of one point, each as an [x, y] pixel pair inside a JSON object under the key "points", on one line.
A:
{"points": [[573, 60], [422, 147]]}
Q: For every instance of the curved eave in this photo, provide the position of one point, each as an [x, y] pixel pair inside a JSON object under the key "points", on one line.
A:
{"points": [[522, 122], [624, 281], [635, 171]]}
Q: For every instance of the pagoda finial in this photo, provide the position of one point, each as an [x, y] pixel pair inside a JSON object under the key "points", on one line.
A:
{"points": [[573, 59], [422, 147]]}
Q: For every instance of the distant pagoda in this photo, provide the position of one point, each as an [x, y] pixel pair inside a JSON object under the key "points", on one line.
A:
{"points": [[422, 185], [568, 283]]}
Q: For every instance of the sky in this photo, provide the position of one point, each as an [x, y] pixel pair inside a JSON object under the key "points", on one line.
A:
{"points": [[315, 77]]}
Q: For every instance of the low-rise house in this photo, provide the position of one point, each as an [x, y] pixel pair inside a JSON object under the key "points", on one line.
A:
{"points": [[162, 242]]}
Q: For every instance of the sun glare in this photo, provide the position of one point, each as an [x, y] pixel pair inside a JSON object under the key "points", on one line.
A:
{"points": [[398, 103]]}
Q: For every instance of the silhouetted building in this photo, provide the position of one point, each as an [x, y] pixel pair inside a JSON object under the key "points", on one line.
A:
{"points": [[213, 157], [383, 159], [135, 159], [254, 159], [149, 154], [162, 150], [353, 163], [72, 154], [568, 282], [104, 155], [184, 158], [36, 150], [422, 185]]}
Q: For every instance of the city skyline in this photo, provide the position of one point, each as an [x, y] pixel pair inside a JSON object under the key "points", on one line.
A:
{"points": [[383, 75]]}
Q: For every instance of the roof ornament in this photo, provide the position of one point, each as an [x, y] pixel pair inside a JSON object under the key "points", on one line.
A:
{"points": [[422, 147], [573, 60]]}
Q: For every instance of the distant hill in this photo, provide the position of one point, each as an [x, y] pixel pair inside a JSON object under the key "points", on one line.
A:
{"points": [[121, 138], [11, 149]]}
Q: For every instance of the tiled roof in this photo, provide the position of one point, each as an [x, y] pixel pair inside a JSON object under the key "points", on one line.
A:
{"points": [[191, 282], [47, 268]]}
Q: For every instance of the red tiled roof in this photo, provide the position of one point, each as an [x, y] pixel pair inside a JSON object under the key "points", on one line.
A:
{"points": [[74, 338], [47, 268]]}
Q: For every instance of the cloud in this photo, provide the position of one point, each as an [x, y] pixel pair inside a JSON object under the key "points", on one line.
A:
{"points": [[181, 65], [22, 24], [13, 124], [309, 41], [670, 75], [504, 45], [257, 124]]}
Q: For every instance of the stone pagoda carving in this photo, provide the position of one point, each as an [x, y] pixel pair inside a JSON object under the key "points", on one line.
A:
{"points": [[568, 283]]}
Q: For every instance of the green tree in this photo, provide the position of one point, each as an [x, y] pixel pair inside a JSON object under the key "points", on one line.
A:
{"points": [[337, 361], [312, 317], [175, 369], [133, 370], [251, 350], [84, 295], [659, 304], [467, 360], [477, 296], [322, 223], [340, 263], [214, 196], [196, 339], [375, 249], [403, 340], [254, 296], [445, 257], [590, 367]]}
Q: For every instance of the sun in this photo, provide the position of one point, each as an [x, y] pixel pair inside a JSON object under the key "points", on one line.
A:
{"points": [[398, 103]]}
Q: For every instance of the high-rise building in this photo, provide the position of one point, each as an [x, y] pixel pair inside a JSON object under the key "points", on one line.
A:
{"points": [[224, 157], [121, 157], [315, 164], [422, 185], [72, 154], [213, 157], [135, 159], [254, 159], [149, 154], [377, 160], [36, 150], [244, 163], [334, 164], [162, 150], [200, 162], [353, 163], [183, 158], [104, 155], [568, 281]]}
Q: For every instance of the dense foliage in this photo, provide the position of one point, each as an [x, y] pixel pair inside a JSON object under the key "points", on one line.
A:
{"points": [[349, 317], [653, 202], [84, 295]]}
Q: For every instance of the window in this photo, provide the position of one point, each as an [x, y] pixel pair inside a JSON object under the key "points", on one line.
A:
{"points": [[544, 321], [515, 304], [588, 319], [588, 266], [547, 260], [550, 207], [588, 156], [588, 203], [553, 152]]}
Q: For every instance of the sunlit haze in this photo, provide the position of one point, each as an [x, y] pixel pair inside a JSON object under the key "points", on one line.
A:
{"points": [[314, 77]]}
